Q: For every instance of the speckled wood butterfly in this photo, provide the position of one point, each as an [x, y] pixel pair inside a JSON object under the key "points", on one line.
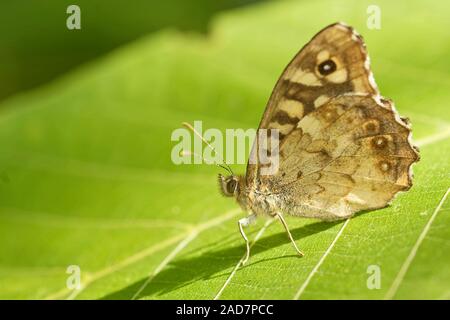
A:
{"points": [[342, 147]]}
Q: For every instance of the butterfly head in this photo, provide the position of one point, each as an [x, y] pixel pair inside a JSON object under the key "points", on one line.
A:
{"points": [[229, 185]]}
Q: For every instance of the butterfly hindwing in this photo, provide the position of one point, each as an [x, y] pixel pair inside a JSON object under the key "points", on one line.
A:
{"points": [[351, 154]]}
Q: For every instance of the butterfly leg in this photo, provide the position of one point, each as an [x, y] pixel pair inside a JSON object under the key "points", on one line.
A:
{"points": [[244, 222], [280, 217]]}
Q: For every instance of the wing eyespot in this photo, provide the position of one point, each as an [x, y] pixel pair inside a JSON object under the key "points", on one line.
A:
{"points": [[327, 67]]}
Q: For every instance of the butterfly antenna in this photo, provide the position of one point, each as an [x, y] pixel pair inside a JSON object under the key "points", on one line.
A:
{"points": [[224, 165], [189, 153]]}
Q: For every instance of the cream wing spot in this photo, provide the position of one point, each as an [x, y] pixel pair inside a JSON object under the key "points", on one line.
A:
{"points": [[306, 78], [283, 128], [339, 76], [310, 126], [293, 108], [321, 100], [322, 56]]}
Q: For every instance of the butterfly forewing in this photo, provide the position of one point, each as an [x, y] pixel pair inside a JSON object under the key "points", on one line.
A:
{"points": [[333, 63]]}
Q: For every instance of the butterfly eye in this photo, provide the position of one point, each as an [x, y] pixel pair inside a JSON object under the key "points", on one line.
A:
{"points": [[231, 186], [327, 67]]}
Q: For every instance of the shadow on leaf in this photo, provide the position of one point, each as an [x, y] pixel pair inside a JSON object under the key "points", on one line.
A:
{"points": [[185, 271]]}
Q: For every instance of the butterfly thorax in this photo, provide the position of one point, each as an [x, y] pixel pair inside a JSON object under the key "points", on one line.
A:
{"points": [[253, 200]]}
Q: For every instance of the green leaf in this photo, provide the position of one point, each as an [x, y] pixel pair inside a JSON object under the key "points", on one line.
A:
{"points": [[86, 177]]}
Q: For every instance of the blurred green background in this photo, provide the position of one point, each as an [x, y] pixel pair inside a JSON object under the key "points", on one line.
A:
{"points": [[36, 46], [86, 176]]}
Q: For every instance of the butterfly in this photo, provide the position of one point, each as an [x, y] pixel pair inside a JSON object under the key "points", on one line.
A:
{"points": [[342, 147]]}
